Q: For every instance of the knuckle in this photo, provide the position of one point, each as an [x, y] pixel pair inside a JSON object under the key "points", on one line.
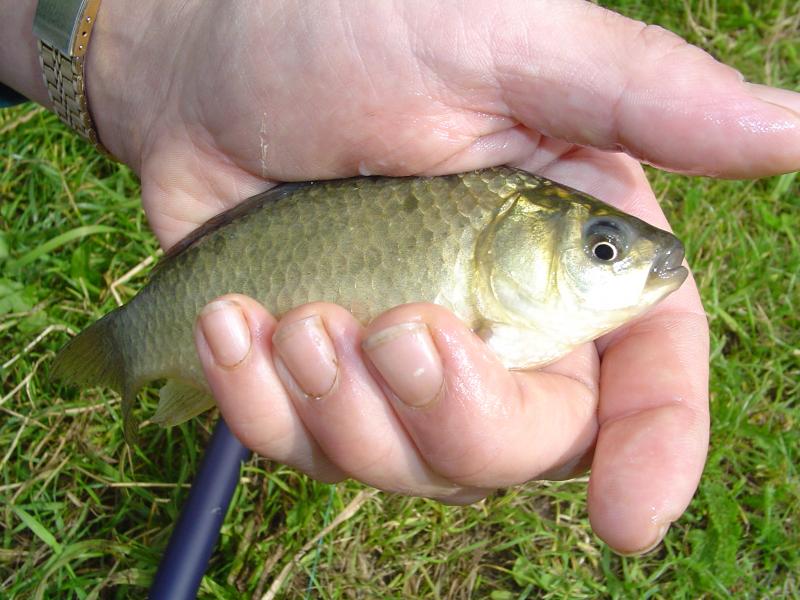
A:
{"points": [[661, 51], [469, 465]]}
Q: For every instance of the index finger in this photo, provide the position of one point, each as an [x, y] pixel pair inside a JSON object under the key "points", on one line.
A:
{"points": [[653, 411], [654, 427]]}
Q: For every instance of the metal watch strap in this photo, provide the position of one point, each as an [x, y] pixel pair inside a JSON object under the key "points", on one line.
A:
{"points": [[64, 79], [64, 28]]}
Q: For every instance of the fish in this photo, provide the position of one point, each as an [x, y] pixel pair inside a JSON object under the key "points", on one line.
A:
{"points": [[535, 268]]}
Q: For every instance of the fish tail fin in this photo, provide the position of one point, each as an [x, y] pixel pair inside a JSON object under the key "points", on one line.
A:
{"points": [[95, 358]]}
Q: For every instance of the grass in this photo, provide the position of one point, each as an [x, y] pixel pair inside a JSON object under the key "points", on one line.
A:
{"points": [[84, 516]]}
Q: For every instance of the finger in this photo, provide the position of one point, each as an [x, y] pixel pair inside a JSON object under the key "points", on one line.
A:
{"points": [[581, 73], [473, 421], [654, 422], [319, 359], [653, 429], [233, 337], [653, 411]]}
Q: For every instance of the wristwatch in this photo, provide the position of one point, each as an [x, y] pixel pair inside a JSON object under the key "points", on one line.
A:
{"points": [[63, 28]]}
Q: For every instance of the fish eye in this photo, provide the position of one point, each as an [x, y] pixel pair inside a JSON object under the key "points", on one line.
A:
{"points": [[606, 239], [605, 251]]}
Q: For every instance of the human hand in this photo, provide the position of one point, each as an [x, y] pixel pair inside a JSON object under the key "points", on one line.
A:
{"points": [[213, 107]]}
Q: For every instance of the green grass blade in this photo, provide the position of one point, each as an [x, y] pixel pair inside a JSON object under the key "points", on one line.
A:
{"points": [[37, 528], [58, 241]]}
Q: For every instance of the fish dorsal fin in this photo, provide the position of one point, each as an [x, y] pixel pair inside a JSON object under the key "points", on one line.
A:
{"points": [[242, 209], [179, 402]]}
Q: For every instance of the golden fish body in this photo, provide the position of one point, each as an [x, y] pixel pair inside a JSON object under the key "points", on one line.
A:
{"points": [[534, 267]]}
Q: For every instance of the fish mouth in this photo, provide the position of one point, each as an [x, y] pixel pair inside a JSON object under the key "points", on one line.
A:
{"points": [[667, 269]]}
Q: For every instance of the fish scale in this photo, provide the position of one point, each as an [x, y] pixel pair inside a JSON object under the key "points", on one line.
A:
{"points": [[283, 247], [367, 244]]}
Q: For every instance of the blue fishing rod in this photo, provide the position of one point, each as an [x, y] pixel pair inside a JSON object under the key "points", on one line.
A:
{"points": [[192, 541]]}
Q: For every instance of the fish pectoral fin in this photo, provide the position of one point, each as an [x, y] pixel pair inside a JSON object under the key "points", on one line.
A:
{"points": [[519, 347], [179, 402]]}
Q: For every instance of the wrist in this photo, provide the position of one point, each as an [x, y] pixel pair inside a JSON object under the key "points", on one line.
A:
{"points": [[19, 56], [130, 66], [114, 93], [115, 71]]}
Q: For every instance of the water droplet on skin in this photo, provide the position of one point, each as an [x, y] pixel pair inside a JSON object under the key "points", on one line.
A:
{"points": [[754, 125]]}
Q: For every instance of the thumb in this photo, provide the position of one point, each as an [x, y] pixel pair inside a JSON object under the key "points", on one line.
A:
{"points": [[581, 73]]}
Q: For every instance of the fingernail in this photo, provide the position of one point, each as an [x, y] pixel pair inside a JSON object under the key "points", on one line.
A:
{"points": [[225, 329], [784, 98], [662, 531], [307, 352], [408, 361]]}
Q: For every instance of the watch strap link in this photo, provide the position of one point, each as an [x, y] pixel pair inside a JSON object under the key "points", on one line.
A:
{"points": [[65, 84], [64, 28]]}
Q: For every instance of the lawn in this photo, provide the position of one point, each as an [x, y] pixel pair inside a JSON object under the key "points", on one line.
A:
{"points": [[83, 515]]}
